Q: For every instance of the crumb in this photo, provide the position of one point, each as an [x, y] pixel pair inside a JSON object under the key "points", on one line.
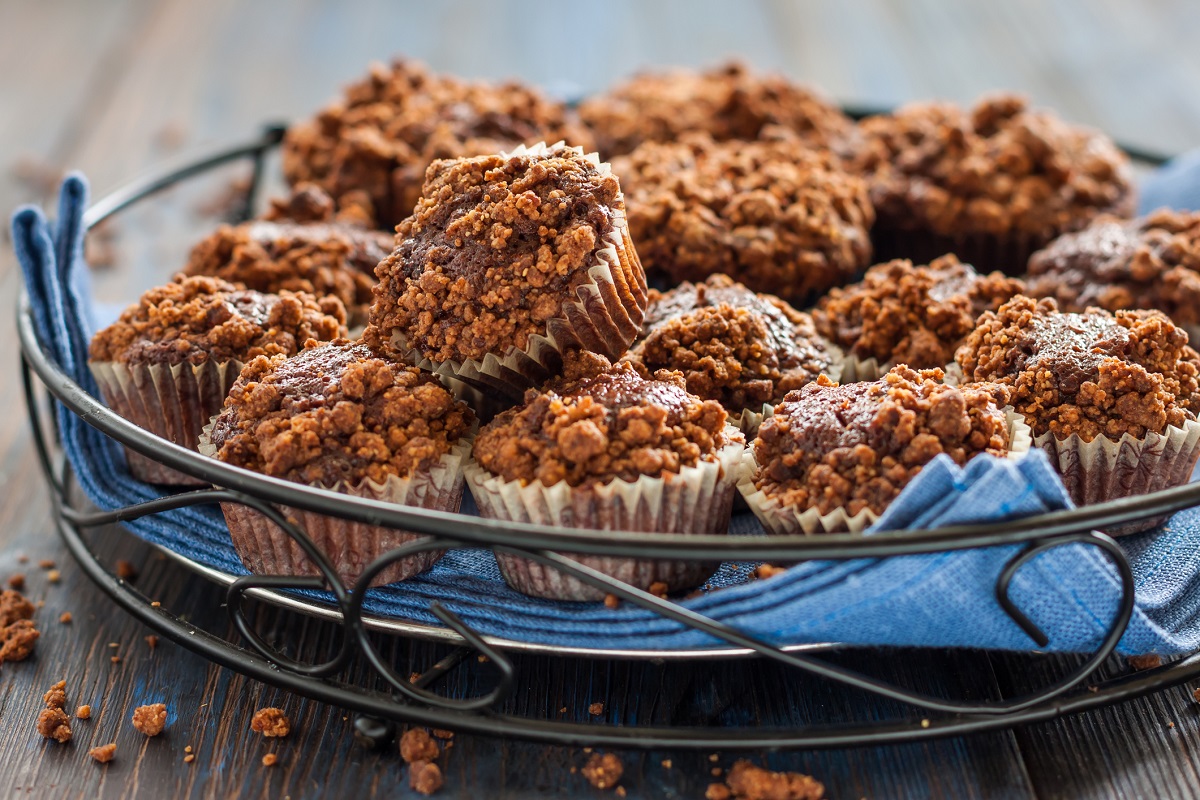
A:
{"points": [[424, 777], [620, 791], [1145, 662], [270, 760], [587, 749], [126, 570], [53, 576], [1170, 724], [16, 582], [716, 772], [65, 618], [1196, 695], [56, 697], [924, 723], [658, 589], [22, 559], [764, 571], [417, 745], [83, 712], [155, 604], [17, 635], [717, 791], [603, 770], [714, 757], [271, 723], [666, 763], [152, 641], [596, 709], [53, 723], [563, 710], [115, 659], [150, 719], [413, 677], [482, 659], [187, 749], [46, 563], [189, 758], [438, 733], [114, 645], [612, 601], [755, 783], [104, 753]]}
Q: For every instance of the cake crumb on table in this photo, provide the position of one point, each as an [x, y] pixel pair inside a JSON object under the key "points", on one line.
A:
{"points": [[438, 733], [65, 618], [16, 582], [417, 745], [596, 709], [104, 753], [53, 723], [666, 763], [150, 719], [56, 696], [764, 571], [270, 760], [83, 712], [425, 777], [152, 641], [1149, 661], [271, 723], [745, 780], [1196, 695], [658, 589], [717, 791], [18, 634], [612, 601], [126, 571], [189, 758], [46, 563], [603, 770], [53, 576]]}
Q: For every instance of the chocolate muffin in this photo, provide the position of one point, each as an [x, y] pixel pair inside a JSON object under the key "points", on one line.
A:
{"points": [[370, 148], [1149, 262], [991, 184], [728, 102], [168, 362], [509, 261], [1112, 399], [833, 457], [742, 349], [901, 313], [603, 448], [771, 214], [338, 417], [298, 247]]}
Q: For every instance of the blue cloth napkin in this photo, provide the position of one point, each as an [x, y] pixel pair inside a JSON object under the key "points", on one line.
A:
{"points": [[936, 600]]}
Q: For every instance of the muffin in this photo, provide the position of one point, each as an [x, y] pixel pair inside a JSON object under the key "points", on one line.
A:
{"points": [[1149, 262], [1111, 398], [832, 457], [742, 349], [298, 247], [509, 261], [338, 417], [370, 148], [168, 362], [727, 102], [771, 214], [991, 185], [901, 313], [604, 448]]}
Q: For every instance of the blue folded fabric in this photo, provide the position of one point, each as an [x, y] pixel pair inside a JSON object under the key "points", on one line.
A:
{"points": [[937, 600]]}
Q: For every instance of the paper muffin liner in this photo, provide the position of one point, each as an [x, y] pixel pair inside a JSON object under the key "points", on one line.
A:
{"points": [[855, 369], [780, 519], [1102, 469], [697, 500], [986, 252], [350, 546], [605, 318], [173, 402]]}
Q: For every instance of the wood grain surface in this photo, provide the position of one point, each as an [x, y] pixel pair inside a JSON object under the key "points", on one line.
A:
{"points": [[117, 87]]}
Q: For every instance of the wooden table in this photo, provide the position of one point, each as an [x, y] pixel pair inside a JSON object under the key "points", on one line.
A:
{"points": [[113, 88]]}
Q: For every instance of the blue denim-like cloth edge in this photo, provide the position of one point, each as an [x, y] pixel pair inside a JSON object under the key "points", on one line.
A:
{"points": [[935, 600]]}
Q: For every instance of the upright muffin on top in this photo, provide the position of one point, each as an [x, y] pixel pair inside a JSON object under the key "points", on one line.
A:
{"points": [[298, 246], [991, 184], [168, 362], [509, 261], [1112, 399], [742, 349], [604, 448], [901, 313], [370, 149], [771, 213], [339, 417]]}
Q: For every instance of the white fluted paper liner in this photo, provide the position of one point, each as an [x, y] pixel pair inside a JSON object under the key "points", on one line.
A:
{"points": [[954, 374], [856, 370], [173, 402], [605, 317], [748, 421], [350, 546], [779, 519], [697, 500], [1102, 469]]}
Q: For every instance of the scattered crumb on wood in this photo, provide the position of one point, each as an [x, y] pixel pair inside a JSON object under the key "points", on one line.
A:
{"points": [[658, 589], [1149, 661], [65, 618], [596, 709], [155, 604], [270, 760], [189, 758], [745, 780], [425, 777], [1196, 695], [150, 719], [152, 641], [764, 571], [603, 770], [717, 791], [18, 634], [46, 563], [22, 559], [126, 570], [54, 576], [272, 723], [56, 696], [16, 582], [115, 659], [417, 745], [53, 723], [104, 753], [612, 601], [482, 659], [666, 763], [83, 712], [438, 733]]}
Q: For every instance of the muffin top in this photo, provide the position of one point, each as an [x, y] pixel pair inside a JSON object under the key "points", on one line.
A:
{"points": [[1149, 262], [858, 445], [1000, 168], [1092, 374], [299, 247], [772, 214], [337, 413], [727, 102], [599, 422], [734, 346], [915, 315], [370, 148], [197, 319], [496, 247]]}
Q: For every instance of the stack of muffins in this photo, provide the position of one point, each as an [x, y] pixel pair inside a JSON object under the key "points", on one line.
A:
{"points": [[515, 291]]}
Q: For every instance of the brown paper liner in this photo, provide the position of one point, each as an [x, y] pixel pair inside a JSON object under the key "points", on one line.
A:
{"points": [[1102, 469], [173, 402], [780, 520], [350, 546], [605, 318], [697, 500]]}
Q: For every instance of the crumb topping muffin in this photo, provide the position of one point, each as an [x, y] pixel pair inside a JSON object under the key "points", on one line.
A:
{"points": [[999, 168], [902, 313], [337, 413], [856, 446], [1091, 373], [772, 214], [1149, 262], [497, 248], [739, 348], [201, 319], [598, 423], [370, 148], [299, 247], [728, 102]]}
